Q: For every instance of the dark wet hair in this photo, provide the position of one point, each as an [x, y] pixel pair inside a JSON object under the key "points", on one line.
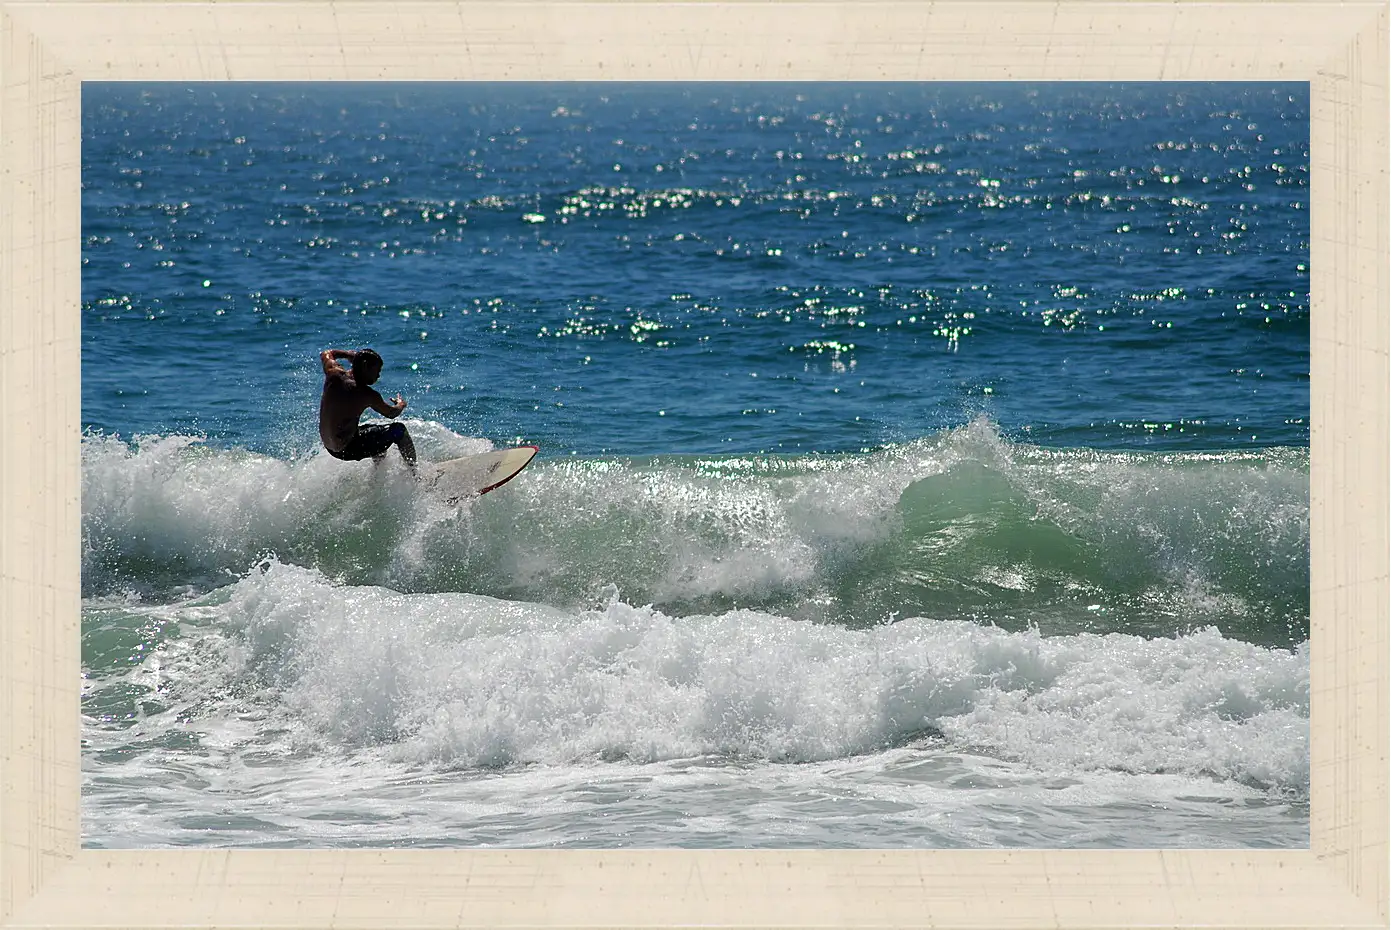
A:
{"points": [[368, 360]]}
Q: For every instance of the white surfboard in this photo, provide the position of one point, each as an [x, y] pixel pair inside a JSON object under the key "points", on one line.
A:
{"points": [[474, 475]]}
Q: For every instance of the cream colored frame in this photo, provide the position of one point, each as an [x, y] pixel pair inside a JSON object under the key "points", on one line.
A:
{"points": [[48, 48]]}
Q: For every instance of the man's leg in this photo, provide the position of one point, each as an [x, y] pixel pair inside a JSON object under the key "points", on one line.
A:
{"points": [[374, 440], [402, 437]]}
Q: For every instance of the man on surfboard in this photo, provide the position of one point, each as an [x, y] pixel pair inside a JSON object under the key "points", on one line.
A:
{"points": [[347, 393]]}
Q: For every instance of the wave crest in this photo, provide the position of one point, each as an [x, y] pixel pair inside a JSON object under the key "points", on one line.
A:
{"points": [[965, 524], [459, 680]]}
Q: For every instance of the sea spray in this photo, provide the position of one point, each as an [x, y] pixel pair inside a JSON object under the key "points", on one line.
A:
{"points": [[466, 681], [966, 524]]}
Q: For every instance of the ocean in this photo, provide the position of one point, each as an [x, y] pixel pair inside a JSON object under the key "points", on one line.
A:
{"points": [[921, 466]]}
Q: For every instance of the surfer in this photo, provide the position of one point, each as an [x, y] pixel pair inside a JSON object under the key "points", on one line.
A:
{"points": [[347, 393]]}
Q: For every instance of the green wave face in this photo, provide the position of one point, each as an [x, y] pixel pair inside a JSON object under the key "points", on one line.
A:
{"points": [[1073, 541], [960, 525]]}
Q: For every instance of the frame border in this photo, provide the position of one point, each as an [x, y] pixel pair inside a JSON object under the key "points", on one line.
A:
{"points": [[47, 49]]}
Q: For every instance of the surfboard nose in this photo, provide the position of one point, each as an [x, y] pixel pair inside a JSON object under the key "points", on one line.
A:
{"points": [[478, 474]]}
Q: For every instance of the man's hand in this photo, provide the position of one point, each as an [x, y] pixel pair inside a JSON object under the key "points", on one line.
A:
{"points": [[398, 403], [330, 357]]}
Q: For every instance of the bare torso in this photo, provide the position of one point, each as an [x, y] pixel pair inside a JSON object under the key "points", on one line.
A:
{"points": [[341, 407]]}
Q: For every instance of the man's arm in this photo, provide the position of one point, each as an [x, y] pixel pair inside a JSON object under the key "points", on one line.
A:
{"points": [[392, 410], [329, 359]]}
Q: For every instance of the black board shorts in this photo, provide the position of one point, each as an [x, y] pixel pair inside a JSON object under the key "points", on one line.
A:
{"points": [[371, 440]]}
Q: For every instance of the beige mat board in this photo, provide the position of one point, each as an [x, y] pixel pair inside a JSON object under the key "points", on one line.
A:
{"points": [[47, 49]]}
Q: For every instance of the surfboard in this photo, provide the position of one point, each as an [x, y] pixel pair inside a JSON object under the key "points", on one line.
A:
{"points": [[475, 475]]}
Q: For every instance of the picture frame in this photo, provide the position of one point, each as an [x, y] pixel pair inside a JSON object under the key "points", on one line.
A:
{"points": [[47, 49]]}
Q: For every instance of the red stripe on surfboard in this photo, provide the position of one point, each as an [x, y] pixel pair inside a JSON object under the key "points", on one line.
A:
{"points": [[493, 487]]}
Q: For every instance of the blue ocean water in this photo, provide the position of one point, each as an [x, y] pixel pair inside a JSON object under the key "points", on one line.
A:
{"points": [[657, 269], [921, 465]]}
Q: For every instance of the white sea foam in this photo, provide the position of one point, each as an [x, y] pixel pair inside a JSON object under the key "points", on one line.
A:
{"points": [[466, 681], [169, 500], [961, 524]]}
